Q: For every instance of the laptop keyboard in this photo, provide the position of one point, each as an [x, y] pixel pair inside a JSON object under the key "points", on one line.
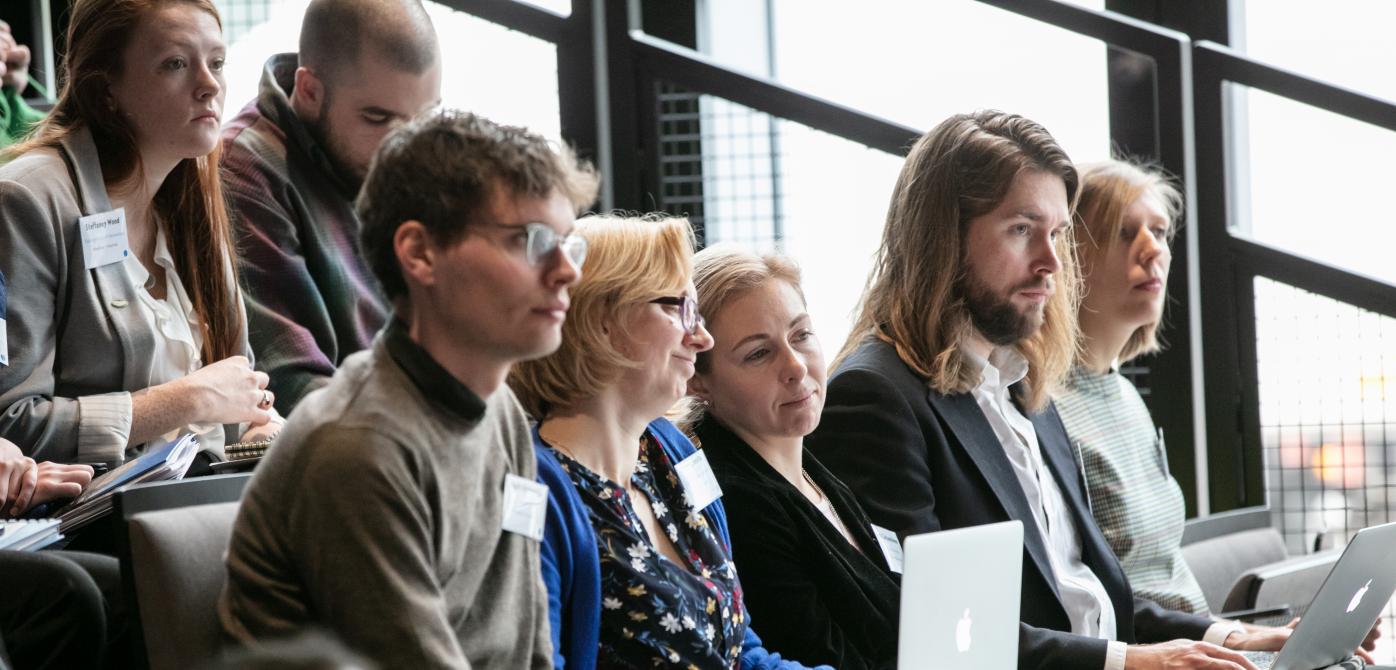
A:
{"points": [[1262, 659]]}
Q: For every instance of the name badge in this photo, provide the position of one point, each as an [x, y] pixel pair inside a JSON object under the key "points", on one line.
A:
{"points": [[4, 342], [525, 506], [104, 238], [1160, 449], [891, 547], [699, 485]]}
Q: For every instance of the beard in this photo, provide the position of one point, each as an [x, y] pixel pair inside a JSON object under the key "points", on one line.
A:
{"points": [[995, 317], [323, 133]]}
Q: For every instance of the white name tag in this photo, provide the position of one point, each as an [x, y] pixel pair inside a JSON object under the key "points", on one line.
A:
{"points": [[4, 343], [891, 547], [104, 238], [699, 484], [525, 506]]}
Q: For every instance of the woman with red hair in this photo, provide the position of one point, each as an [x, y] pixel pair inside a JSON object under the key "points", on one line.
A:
{"points": [[120, 317]]}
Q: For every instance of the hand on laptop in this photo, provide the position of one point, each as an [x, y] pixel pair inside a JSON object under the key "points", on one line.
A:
{"points": [[1180, 654], [1369, 643], [1261, 638], [1271, 638]]}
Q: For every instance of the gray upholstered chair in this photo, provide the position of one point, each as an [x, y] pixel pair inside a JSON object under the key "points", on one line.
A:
{"points": [[1246, 572], [177, 567], [172, 562]]}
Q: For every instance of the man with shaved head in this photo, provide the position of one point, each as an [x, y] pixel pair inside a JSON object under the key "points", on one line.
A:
{"points": [[294, 160]]}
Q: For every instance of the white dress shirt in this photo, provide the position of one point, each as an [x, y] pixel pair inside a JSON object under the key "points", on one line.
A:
{"points": [[1087, 604]]}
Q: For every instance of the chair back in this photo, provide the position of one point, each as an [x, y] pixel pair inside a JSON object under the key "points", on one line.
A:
{"points": [[1292, 583], [1222, 547], [176, 535], [177, 570], [133, 500]]}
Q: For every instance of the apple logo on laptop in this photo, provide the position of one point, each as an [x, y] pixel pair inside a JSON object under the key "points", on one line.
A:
{"points": [[1357, 597], [962, 640]]}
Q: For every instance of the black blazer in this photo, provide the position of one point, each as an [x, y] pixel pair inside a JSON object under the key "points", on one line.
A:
{"points": [[921, 461], [814, 597]]}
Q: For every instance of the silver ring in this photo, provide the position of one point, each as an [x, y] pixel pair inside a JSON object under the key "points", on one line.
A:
{"points": [[266, 399]]}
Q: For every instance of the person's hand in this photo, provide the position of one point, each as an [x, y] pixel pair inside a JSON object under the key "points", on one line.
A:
{"points": [[230, 391], [4, 55], [1180, 654], [39, 483], [1369, 643], [17, 478], [1261, 638], [14, 61], [265, 431], [56, 481], [24, 483]]}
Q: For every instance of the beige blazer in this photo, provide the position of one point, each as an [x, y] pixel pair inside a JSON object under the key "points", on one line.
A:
{"points": [[66, 394]]}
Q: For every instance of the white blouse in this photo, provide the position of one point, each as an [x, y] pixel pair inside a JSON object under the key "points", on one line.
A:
{"points": [[178, 337]]}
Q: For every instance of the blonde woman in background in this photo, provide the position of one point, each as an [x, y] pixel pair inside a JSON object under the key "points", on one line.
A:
{"points": [[1128, 212], [635, 551]]}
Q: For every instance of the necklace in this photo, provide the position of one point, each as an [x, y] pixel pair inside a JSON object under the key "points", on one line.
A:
{"points": [[827, 509], [627, 486], [817, 491]]}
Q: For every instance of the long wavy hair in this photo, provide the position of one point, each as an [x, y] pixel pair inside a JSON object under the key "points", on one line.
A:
{"points": [[913, 300], [190, 201]]}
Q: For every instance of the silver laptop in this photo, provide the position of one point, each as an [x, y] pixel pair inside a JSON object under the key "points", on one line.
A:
{"points": [[1345, 607], [960, 594]]}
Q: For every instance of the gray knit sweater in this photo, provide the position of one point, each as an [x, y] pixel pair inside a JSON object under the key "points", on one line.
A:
{"points": [[377, 515]]}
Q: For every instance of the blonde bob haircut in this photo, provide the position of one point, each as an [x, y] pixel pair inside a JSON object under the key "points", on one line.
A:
{"points": [[630, 261], [915, 298], [1108, 188]]}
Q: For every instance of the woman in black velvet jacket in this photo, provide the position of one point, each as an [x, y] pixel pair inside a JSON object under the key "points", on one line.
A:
{"points": [[816, 578]]}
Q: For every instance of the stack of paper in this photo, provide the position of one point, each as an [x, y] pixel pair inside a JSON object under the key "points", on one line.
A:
{"points": [[165, 462], [28, 534]]}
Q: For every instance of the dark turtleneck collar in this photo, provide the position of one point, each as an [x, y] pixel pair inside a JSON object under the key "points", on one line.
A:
{"points": [[438, 385]]}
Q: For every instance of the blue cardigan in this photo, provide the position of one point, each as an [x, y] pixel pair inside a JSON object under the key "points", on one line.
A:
{"points": [[572, 565]]}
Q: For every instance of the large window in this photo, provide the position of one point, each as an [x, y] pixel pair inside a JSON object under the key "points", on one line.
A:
{"points": [[1347, 42], [1311, 182]]}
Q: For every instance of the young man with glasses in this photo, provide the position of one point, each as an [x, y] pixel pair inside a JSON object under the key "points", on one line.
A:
{"points": [[399, 507]]}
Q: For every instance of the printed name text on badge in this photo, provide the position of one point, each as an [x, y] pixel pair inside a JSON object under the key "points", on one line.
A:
{"points": [[104, 238]]}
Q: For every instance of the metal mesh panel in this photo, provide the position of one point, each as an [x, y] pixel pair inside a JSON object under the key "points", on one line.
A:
{"points": [[240, 16], [1327, 373], [742, 170], [719, 165], [770, 184], [681, 155]]}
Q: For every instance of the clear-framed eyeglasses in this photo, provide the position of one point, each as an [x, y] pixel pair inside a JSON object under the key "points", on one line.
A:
{"points": [[543, 240], [689, 317]]}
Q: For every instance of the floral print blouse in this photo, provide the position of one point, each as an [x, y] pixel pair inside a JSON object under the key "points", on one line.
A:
{"points": [[655, 613]]}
